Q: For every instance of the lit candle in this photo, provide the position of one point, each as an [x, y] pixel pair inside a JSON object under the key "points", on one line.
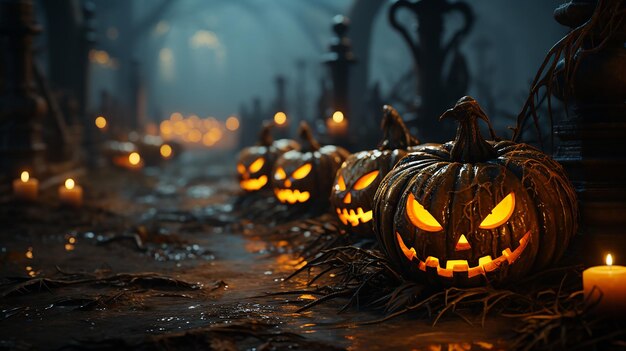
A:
{"points": [[130, 161], [101, 123], [606, 287], [134, 160], [70, 193], [280, 118], [337, 124], [166, 151], [26, 188]]}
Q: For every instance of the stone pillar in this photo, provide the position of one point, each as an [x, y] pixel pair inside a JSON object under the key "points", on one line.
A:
{"points": [[21, 109]]}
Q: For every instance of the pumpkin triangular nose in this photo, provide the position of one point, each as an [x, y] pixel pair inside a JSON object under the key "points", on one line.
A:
{"points": [[462, 244], [347, 199]]}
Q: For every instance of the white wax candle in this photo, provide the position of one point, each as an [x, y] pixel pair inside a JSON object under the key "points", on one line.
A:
{"points": [[608, 285], [71, 194], [26, 188]]}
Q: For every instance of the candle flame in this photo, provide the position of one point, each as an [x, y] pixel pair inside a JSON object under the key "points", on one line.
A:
{"points": [[338, 117], [69, 183], [24, 176], [609, 260], [280, 118], [165, 150], [101, 122], [134, 158]]}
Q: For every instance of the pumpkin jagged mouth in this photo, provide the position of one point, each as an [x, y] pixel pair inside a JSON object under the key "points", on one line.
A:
{"points": [[291, 196], [254, 183], [485, 264], [354, 217]]}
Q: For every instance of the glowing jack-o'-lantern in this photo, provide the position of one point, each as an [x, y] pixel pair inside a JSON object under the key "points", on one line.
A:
{"points": [[255, 163], [473, 211], [307, 176], [359, 176]]}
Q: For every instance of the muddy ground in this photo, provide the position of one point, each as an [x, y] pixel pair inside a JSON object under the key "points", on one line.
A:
{"points": [[154, 261]]}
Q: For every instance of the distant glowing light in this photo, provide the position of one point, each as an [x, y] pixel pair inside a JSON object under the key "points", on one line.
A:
{"points": [[232, 123], [205, 38], [176, 116], [24, 176], [212, 136], [194, 136], [69, 183], [280, 118], [165, 150], [29, 253], [101, 122], [134, 158], [166, 55], [166, 64], [162, 28], [180, 128], [338, 117], [193, 121]]}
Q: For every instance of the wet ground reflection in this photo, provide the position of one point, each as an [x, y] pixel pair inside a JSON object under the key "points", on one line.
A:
{"points": [[119, 269]]}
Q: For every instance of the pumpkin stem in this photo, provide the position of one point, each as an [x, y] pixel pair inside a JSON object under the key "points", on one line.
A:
{"points": [[265, 137], [395, 133], [469, 145], [307, 135]]}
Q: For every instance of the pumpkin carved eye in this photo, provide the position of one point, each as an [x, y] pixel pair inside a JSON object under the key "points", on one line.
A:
{"points": [[365, 180], [280, 174], [341, 184], [420, 217], [241, 168], [500, 214], [302, 171], [257, 165]]}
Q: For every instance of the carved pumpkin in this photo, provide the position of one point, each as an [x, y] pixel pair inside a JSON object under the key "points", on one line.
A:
{"points": [[359, 176], [255, 163], [307, 176], [473, 211]]}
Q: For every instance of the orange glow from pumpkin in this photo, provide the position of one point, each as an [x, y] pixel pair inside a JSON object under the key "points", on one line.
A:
{"points": [[365, 180], [341, 184], [302, 171], [420, 217], [500, 214], [257, 165], [462, 244], [291, 196], [485, 264], [354, 217], [280, 174], [253, 184], [347, 199]]}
